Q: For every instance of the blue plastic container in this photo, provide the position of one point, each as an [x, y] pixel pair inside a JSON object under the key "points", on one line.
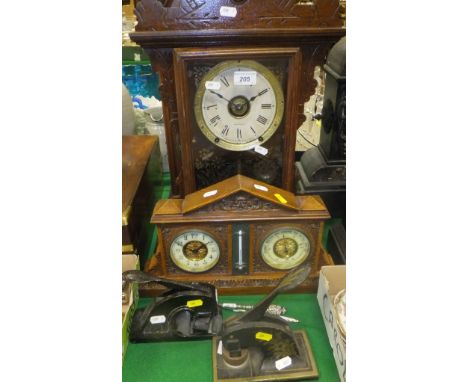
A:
{"points": [[141, 80]]}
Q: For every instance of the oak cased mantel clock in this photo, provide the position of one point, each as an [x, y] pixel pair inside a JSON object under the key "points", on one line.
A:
{"points": [[240, 234], [235, 112], [234, 75]]}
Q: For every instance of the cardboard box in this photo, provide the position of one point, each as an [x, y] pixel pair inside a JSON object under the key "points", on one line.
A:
{"points": [[332, 280], [129, 262]]}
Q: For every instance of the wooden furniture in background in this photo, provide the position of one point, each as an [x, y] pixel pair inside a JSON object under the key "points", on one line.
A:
{"points": [[141, 171]]}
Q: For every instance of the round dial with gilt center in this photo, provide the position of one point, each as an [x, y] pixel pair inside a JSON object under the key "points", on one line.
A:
{"points": [[285, 248], [194, 251], [239, 105]]}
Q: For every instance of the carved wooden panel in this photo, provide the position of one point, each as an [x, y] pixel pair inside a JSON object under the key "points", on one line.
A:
{"points": [[242, 202], [162, 15], [162, 63], [227, 284]]}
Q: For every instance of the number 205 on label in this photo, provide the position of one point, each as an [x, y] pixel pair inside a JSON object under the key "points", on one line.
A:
{"points": [[245, 78]]}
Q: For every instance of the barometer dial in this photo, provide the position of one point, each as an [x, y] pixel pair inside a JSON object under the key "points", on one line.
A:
{"points": [[285, 248]]}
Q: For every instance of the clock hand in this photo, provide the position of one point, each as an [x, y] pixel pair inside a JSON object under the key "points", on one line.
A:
{"points": [[219, 95], [259, 94]]}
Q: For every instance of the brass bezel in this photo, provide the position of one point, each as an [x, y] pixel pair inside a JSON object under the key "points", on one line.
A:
{"points": [[271, 129], [203, 269], [283, 229]]}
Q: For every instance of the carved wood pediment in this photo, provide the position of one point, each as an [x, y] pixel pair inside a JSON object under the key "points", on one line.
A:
{"points": [[239, 202], [164, 15], [238, 198], [239, 193]]}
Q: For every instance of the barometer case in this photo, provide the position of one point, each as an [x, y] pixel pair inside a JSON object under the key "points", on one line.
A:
{"points": [[240, 234]]}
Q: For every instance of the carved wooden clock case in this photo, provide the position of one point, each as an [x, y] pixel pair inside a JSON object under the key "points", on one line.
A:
{"points": [[240, 234], [235, 75]]}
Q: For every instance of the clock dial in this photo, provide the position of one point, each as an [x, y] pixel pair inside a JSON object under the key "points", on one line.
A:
{"points": [[194, 251], [239, 105], [285, 248]]}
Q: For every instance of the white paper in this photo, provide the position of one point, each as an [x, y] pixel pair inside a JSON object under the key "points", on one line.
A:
{"points": [[212, 85], [229, 305], [283, 362], [261, 150], [261, 188], [158, 319], [210, 193], [245, 78], [228, 11], [220, 348]]}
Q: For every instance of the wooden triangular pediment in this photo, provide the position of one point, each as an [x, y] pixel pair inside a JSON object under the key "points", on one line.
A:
{"points": [[240, 191], [168, 206]]}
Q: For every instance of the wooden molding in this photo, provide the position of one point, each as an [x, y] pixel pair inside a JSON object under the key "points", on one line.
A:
{"points": [[161, 15]]}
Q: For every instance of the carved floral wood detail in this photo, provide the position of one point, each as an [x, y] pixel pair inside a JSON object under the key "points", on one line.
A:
{"points": [[161, 15], [243, 285], [240, 202], [151, 289], [161, 60]]}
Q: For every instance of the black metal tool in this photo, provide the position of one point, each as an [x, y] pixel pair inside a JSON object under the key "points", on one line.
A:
{"points": [[256, 345], [184, 311]]}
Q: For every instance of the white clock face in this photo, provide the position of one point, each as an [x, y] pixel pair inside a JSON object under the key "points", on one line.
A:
{"points": [[194, 251], [239, 105], [285, 248]]}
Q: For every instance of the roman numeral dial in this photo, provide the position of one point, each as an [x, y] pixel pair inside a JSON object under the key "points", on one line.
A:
{"points": [[239, 104], [224, 81], [225, 131], [261, 119], [215, 119]]}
